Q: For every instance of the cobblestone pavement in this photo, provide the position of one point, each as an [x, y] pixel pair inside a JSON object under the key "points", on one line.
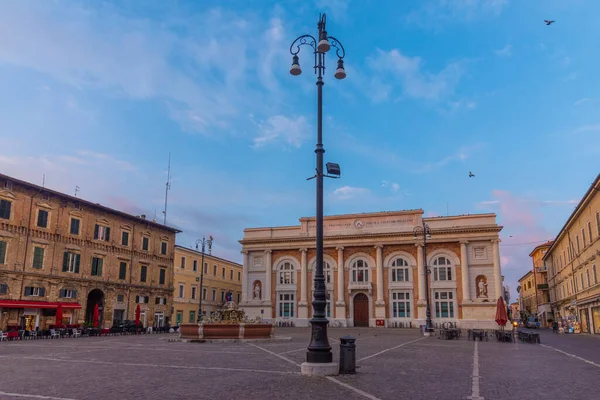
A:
{"points": [[391, 364]]}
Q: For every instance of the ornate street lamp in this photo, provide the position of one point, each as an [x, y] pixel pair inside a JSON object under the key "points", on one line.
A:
{"points": [[426, 232], [205, 243], [319, 350]]}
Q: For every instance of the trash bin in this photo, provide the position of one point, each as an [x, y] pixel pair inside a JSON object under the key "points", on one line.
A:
{"points": [[423, 329], [347, 355]]}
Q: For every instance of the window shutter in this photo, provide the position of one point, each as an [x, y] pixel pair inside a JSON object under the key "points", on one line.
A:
{"points": [[147, 299], [65, 261], [107, 234], [77, 259], [42, 292], [74, 294], [62, 293], [100, 260], [27, 291], [96, 227], [137, 299], [2, 252]]}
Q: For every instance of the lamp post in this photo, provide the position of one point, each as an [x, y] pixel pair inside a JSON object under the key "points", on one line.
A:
{"points": [[204, 242], [426, 232], [319, 350]]}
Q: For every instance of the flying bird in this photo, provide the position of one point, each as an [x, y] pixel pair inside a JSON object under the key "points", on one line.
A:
{"points": [[471, 174], [548, 22]]}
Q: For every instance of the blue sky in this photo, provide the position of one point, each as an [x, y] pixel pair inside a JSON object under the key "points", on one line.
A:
{"points": [[96, 94]]}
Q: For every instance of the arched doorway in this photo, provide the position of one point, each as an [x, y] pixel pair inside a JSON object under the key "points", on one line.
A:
{"points": [[96, 296], [361, 310]]}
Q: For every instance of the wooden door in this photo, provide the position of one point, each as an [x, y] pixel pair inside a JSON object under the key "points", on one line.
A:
{"points": [[361, 310]]}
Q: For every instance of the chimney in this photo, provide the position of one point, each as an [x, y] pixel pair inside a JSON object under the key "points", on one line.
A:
{"points": [[143, 216]]}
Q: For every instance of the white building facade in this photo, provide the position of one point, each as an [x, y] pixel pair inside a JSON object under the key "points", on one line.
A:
{"points": [[374, 270]]}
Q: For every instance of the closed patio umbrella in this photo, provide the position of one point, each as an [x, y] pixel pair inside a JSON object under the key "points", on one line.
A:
{"points": [[59, 315], [501, 314], [95, 316], [137, 315]]}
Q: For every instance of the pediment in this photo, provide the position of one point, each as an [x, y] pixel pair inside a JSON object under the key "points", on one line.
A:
{"points": [[6, 194]]}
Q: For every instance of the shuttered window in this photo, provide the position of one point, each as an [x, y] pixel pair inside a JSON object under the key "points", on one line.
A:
{"points": [[38, 257], [96, 266], [5, 209], [71, 262], [2, 252]]}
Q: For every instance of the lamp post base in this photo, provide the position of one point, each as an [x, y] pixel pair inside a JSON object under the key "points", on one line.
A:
{"points": [[319, 369]]}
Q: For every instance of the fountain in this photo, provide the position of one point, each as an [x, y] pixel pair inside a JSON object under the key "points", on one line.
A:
{"points": [[230, 323]]}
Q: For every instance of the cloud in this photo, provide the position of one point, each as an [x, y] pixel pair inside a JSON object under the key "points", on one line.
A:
{"points": [[452, 107], [522, 219], [588, 128], [460, 155], [582, 101], [203, 80], [393, 187], [506, 51], [290, 132], [433, 13], [349, 192], [572, 76], [408, 72]]}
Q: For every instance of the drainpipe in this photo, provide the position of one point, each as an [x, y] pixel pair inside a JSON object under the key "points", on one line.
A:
{"points": [[131, 269], [27, 244]]}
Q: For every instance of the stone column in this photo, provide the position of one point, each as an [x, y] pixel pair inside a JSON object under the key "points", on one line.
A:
{"points": [[303, 304], [379, 303], [340, 277], [266, 295], [464, 269], [421, 270], [245, 282], [304, 276], [340, 304], [422, 303], [497, 274]]}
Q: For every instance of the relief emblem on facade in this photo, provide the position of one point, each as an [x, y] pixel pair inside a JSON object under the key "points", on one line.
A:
{"points": [[482, 287], [256, 290]]}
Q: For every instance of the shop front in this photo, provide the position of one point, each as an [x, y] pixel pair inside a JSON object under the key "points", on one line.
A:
{"points": [[595, 320], [33, 315]]}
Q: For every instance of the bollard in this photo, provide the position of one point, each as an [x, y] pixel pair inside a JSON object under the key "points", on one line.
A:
{"points": [[423, 329], [347, 355]]}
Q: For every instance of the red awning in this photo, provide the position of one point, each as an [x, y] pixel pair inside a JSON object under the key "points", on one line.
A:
{"points": [[36, 304]]}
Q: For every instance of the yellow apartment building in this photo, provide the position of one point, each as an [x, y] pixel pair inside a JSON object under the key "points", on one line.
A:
{"points": [[527, 293], [540, 277], [57, 249], [219, 278], [573, 261]]}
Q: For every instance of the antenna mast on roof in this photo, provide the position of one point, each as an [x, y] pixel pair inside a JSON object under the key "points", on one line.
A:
{"points": [[44, 181], [168, 187], [76, 190]]}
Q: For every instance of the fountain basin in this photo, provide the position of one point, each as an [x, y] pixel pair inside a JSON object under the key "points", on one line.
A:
{"points": [[226, 331]]}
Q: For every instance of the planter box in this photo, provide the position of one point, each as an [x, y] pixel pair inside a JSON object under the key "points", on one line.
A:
{"points": [[257, 331]]}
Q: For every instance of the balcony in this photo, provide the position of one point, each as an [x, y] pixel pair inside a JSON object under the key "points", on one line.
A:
{"points": [[543, 286], [360, 286]]}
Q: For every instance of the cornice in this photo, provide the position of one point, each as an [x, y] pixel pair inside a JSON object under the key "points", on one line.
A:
{"points": [[375, 236]]}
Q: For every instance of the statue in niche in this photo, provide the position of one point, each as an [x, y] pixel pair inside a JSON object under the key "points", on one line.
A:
{"points": [[257, 288], [482, 289]]}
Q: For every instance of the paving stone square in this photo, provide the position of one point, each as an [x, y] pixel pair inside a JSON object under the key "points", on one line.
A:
{"points": [[391, 364]]}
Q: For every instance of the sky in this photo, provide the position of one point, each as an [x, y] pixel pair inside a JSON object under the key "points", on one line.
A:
{"points": [[97, 94]]}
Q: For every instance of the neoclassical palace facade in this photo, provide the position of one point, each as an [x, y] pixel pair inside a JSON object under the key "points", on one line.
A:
{"points": [[374, 269]]}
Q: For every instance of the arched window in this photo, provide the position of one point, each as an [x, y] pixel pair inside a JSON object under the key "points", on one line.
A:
{"points": [[400, 270], [286, 274], [360, 271], [327, 272], [442, 269]]}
